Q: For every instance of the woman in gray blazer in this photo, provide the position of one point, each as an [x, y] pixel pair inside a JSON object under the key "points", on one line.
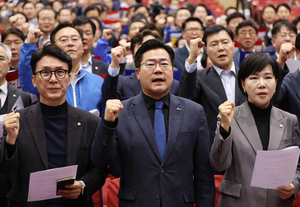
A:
{"points": [[254, 125]]}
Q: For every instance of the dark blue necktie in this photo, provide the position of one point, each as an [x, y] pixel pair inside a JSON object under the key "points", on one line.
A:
{"points": [[160, 128]]}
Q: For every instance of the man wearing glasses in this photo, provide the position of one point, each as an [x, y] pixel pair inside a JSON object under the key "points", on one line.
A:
{"points": [[84, 92], [246, 33], [51, 134], [192, 28], [161, 140]]}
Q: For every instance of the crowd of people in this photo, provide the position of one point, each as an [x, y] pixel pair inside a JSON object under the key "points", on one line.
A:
{"points": [[97, 89]]}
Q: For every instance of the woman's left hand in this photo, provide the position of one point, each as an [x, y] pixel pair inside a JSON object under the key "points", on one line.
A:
{"points": [[286, 192]]}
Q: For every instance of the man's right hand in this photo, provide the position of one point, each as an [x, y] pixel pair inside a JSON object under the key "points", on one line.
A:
{"points": [[107, 34], [112, 109], [33, 36], [226, 112], [117, 55], [195, 50], [12, 125], [286, 50]]}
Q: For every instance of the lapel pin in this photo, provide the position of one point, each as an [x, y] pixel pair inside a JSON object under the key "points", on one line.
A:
{"points": [[280, 125], [96, 68], [78, 124], [14, 95], [178, 109]]}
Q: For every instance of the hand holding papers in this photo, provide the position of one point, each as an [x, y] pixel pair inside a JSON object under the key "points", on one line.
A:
{"points": [[42, 184], [273, 169]]}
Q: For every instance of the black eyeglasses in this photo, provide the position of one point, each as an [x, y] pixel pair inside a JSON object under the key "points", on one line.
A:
{"points": [[46, 74]]}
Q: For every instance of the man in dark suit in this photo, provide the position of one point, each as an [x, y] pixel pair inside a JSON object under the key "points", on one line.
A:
{"points": [[157, 165], [51, 134], [192, 28], [212, 86], [88, 63], [8, 96], [117, 86]]}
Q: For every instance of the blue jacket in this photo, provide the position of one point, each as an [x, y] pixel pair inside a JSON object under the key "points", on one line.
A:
{"points": [[87, 90], [102, 50]]}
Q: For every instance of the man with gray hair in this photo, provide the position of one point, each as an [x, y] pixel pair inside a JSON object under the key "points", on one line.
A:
{"points": [[8, 97]]}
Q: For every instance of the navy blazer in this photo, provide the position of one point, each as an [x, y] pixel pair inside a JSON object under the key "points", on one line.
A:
{"points": [[287, 96], [181, 54], [123, 87], [206, 88], [148, 181], [30, 154], [99, 67]]}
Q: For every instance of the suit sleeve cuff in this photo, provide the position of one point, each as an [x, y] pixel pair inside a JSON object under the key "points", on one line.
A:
{"points": [[10, 149], [110, 124], [224, 133], [190, 68], [113, 71]]}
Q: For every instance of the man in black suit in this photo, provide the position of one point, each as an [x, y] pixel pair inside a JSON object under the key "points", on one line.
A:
{"points": [[88, 63], [212, 86], [51, 134], [8, 96]]}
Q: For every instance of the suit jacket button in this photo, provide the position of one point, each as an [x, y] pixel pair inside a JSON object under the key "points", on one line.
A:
{"points": [[162, 170], [157, 196]]}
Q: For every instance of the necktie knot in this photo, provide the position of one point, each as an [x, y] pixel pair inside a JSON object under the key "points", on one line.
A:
{"points": [[159, 104]]}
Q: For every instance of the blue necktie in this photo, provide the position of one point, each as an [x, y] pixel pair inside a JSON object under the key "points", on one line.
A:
{"points": [[160, 128]]}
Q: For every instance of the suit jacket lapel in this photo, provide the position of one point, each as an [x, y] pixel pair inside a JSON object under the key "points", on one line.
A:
{"points": [[135, 84], [175, 117], [277, 127], [215, 83], [247, 125], [296, 81], [75, 129], [36, 125], [140, 112]]}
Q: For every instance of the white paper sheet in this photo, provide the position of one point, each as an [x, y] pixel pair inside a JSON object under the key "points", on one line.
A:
{"points": [[42, 184], [273, 169]]}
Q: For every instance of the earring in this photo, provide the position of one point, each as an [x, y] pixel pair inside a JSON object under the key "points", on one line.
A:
{"points": [[245, 91]]}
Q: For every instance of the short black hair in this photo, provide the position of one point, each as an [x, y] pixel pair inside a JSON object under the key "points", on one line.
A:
{"points": [[84, 20], [50, 50], [296, 21], [61, 26], [28, 2], [244, 24], [182, 8], [216, 29], [255, 63], [191, 19], [12, 30], [154, 29], [297, 44], [138, 38], [201, 5], [133, 21], [64, 8], [92, 8], [204, 59], [280, 24], [152, 45], [137, 6], [235, 15], [231, 7], [44, 9], [21, 14], [270, 6], [284, 5], [139, 17], [95, 18]]}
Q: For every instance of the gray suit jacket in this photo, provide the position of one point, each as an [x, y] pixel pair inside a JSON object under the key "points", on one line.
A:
{"points": [[30, 154], [13, 94], [146, 179], [236, 155]]}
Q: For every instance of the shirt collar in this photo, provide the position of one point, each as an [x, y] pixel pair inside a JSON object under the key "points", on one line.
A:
{"points": [[4, 88], [89, 62], [219, 70], [151, 101]]}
